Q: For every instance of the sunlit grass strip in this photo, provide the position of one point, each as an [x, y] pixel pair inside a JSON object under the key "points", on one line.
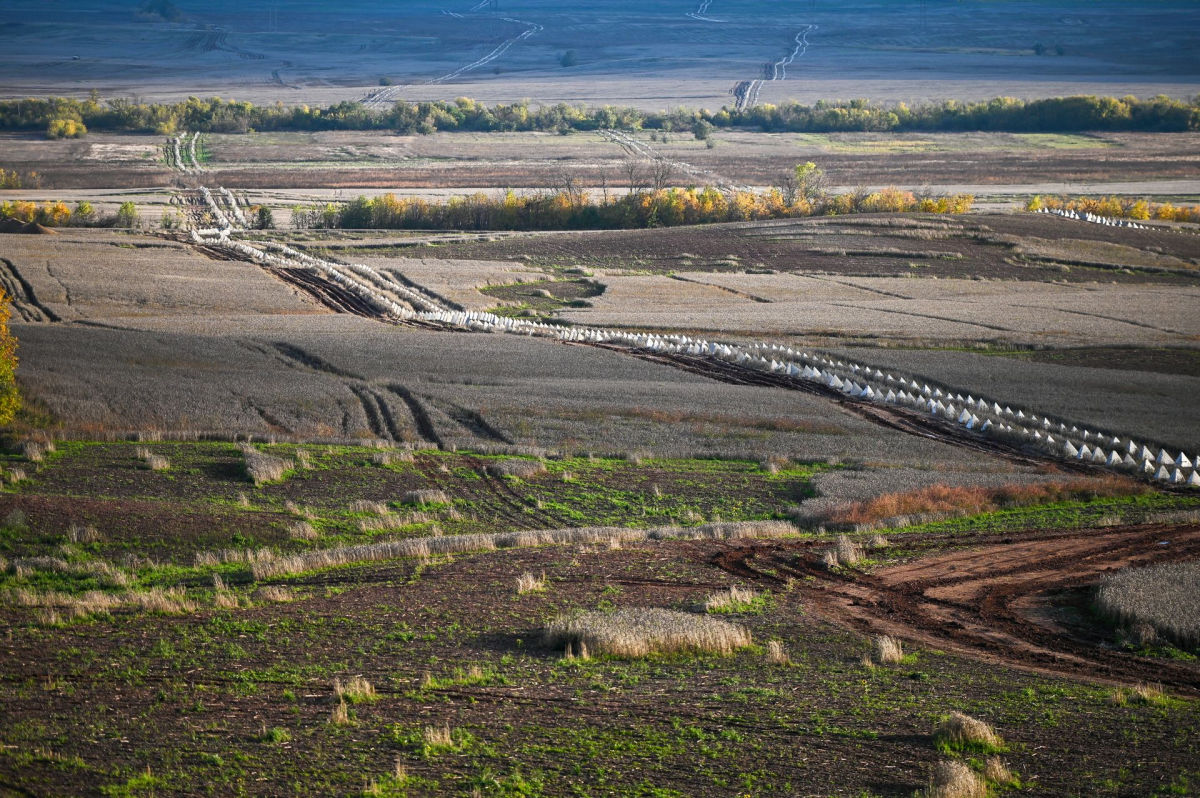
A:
{"points": [[640, 631], [284, 565]]}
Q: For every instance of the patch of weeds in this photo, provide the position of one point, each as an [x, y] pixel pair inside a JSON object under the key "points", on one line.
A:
{"points": [[143, 784], [433, 740], [275, 735]]}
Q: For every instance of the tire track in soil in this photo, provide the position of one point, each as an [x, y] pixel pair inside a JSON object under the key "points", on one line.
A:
{"points": [[994, 327], [421, 420], [499, 487], [998, 602], [469, 420], [22, 294], [370, 405], [492, 505]]}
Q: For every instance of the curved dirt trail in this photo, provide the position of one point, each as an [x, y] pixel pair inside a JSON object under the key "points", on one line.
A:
{"points": [[1020, 602]]}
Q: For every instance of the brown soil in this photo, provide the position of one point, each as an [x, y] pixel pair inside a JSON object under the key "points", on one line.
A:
{"points": [[1018, 603], [975, 246]]}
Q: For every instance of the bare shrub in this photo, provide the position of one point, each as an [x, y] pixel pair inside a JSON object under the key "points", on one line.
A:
{"points": [[774, 464], [422, 498], [340, 716], [357, 691], [517, 468], [960, 732], [528, 583], [302, 459], [1164, 597], [232, 557], [299, 510], [1146, 693], [262, 468], [888, 650], [265, 564], [33, 451], [776, 654], [370, 507], [167, 601], [79, 533], [302, 530], [877, 542], [954, 779], [996, 771], [844, 553], [438, 736], [640, 631], [157, 462], [17, 475], [225, 600], [276, 594], [731, 600]]}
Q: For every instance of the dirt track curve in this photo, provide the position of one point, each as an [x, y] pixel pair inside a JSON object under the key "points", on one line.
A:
{"points": [[1020, 602]]}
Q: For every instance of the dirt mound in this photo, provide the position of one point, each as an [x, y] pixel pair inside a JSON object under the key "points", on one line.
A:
{"points": [[11, 226], [33, 228]]}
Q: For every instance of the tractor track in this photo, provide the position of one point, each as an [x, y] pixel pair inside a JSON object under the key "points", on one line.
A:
{"points": [[1020, 602]]}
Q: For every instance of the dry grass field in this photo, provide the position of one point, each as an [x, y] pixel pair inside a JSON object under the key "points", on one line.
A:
{"points": [[1134, 163], [265, 530]]}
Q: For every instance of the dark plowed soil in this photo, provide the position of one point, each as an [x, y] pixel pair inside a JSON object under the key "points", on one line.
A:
{"points": [[974, 246], [1001, 603]]}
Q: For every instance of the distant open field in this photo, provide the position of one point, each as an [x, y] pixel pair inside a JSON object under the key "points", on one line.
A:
{"points": [[648, 55], [982, 163]]}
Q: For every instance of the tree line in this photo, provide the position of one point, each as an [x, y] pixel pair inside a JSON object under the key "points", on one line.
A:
{"points": [[63, 116], [1117, 208], [578, 210]]}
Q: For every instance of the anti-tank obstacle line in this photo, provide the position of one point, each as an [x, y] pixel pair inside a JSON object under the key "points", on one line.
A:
{"points": [[746, 93], [982, 421], [381, 97], [888, 399]]}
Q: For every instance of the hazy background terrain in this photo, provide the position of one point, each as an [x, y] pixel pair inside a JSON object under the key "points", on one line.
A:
{"points": [[647, 54]]}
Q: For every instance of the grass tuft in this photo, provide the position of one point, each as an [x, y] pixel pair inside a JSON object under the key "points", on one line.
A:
{"points": [[641, 631], [888, 650], [777, 654], [955, 779], [528, 583], [262, 468], [356, 691], [735, 599], [960, 733]]}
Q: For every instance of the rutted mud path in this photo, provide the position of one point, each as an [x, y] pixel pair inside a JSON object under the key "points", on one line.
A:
{"points": [[1020, 602]]}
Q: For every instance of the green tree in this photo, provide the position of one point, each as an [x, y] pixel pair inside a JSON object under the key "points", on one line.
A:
{"points": [[810, 180], [263, 218], [84, 214], [65, 129], [127, 215]]}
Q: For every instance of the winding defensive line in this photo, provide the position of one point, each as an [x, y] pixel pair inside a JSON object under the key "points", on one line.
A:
{"points": [[746, 93], [701, 12], [969, 419], [381, 97]]}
